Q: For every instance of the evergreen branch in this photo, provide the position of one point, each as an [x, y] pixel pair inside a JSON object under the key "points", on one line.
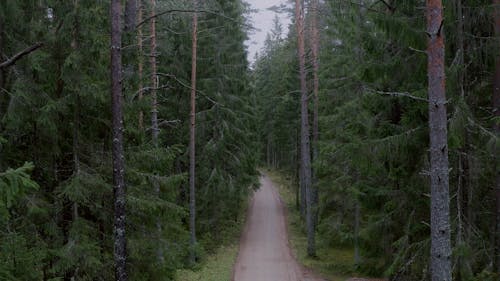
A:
{"points": [[170, 123], [21, 54], [481, 128], [189, 11], [391, 8], [399, 94], [417, 50], [148, 89], [185, 85], [406, 133], [368, 8]]}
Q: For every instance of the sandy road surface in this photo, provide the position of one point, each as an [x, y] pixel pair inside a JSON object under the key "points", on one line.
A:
{"points": [[264, 252]]}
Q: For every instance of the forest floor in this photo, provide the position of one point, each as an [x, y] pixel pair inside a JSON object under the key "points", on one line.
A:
{"points": [[334, 264], [272, 245]]}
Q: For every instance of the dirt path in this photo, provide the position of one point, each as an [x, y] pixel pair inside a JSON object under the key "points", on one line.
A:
{"points": [[264, 252]]}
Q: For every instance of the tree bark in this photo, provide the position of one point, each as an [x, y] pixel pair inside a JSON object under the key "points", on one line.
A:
{"points": [[440, 201], [140, 62], [154, 79], [463, 237], [192, 140], [120, 247], [357, 218], [155, 130], [496, 128], [315, 63], [130, 15], [305, 145]]}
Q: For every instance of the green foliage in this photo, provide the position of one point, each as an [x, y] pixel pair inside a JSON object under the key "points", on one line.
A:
{"points": [[373, 131], [14, 184], [55, 112]]}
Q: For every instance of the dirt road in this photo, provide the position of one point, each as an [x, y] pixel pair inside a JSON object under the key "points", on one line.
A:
{"points": [[264, 252]]}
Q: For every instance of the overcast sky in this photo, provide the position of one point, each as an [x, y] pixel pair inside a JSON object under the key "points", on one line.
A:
{"points": [[262, 20]]}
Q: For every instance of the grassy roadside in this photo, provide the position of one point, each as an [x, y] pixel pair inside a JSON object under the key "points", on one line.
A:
{"points": [[218, 266], [333, 264]]}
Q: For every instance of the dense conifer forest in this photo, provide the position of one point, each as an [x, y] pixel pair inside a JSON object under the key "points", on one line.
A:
{"points": [[134, 132]]}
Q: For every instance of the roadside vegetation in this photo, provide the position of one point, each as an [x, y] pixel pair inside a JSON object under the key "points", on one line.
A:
{"points": [[332, 263], [218, 264]]}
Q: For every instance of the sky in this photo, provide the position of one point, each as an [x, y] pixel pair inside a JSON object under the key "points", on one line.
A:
{"points": [[262, 20]]}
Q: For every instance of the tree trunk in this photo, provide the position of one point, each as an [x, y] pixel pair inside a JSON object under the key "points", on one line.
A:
{"points": [[154, 78], [315, 62], [76, 130], [440, 201], [130, 15], [140, 62], [304, 134], [192, 141], [120, 247], [496, 128], [463, 237], [357, 211], [154, 119]]}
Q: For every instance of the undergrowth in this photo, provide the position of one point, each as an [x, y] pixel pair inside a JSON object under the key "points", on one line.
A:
{"points": [[335, 264]]}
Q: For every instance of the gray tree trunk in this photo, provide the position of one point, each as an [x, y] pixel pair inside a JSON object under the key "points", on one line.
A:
{"points": [[120, 241], [154, 77], [140, 56], [440, 198], [496, 113], [192, 140], [315, 63], [130, 15], [305, 146]]}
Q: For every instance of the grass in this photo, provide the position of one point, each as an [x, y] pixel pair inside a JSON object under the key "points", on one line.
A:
{"points": [[335, 264], [218, 265]]}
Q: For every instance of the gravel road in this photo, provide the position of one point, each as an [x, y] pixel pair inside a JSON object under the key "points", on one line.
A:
{"points": [[264, 251]]}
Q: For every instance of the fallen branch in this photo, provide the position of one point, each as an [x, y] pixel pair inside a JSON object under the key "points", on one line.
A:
{"points": [[21, 54]]}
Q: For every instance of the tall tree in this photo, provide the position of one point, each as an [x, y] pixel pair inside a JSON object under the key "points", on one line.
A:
{"points": [[315, 133], [120, 247], [140, 55], [305, 146], [192, 139], [496, 129], [154, 77], [440, 209]]}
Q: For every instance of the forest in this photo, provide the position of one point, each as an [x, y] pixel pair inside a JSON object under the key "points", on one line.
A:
{"points": [[134, 133]]}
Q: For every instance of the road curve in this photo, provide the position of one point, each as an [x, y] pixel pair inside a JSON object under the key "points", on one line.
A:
{"points": [[264, 251]]}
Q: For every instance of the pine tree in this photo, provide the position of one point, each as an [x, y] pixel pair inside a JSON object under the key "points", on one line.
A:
{"points": [[192, 138], [440, 211], [305, 159], [120, 248], [496, 130]]}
